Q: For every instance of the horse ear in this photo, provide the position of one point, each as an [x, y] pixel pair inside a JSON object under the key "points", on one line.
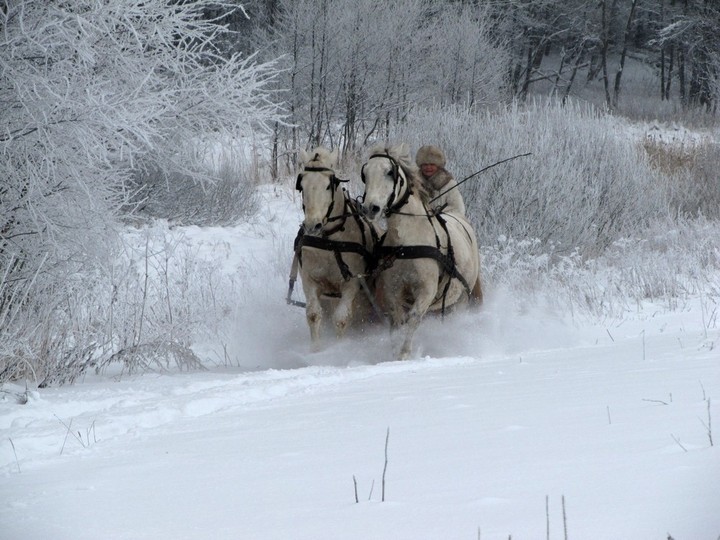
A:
{"points": [[334, 157], [362, 173], [401, 149], [298, 182], [303, 155]]}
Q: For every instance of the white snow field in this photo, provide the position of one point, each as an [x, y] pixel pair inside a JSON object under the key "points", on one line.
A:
{"points": [[512, 422]]}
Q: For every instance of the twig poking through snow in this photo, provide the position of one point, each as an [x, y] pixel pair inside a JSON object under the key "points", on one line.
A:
{"points": [[678, 442], [657, 401], [643, 344], [17, 462], [387, 439], [547, 517], [78, 435], [708, 426], [66, 433]]}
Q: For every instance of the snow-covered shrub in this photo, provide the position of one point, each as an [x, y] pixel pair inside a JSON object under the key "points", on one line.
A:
{"points": [[90, 90], [154, 299], [584, 186], [164, 298], [692, 169], [665, 263], [53, 331], [226, 197]]}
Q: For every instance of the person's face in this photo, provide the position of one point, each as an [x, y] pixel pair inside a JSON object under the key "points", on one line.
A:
{"points": [[428, 169]]}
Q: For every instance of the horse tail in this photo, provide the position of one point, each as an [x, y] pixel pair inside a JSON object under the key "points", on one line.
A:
{"points": [[476, 295]]}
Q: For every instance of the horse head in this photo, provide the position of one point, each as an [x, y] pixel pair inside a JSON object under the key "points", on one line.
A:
{"points": [[318, 185], [388, 175]]}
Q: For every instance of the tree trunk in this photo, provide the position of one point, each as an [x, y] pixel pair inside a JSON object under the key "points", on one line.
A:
{"points": [[669, 75], [604, 51], [623, 54], [681, 77]]}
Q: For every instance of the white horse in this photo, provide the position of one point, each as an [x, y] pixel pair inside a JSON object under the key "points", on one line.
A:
{"points": [[333, 248], [427, 261]]}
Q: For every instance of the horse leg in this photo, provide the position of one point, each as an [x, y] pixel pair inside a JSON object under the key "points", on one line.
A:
{"points": [[410, 327], [343, 311], [313, 314], [423, 298]]}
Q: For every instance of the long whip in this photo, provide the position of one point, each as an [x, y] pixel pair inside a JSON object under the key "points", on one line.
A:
{"points": [[480, 171]]}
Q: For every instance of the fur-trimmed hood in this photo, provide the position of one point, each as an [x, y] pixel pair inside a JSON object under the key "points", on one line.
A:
{"points": [[430, 154]]}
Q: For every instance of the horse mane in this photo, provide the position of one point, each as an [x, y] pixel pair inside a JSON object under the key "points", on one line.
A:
{"points": [[320, 157], [401, 154]]}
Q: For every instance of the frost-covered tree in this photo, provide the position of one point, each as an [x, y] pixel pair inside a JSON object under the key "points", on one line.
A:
{"points": [[89, 91], [354, 69], [552, 40], [687, 36]]}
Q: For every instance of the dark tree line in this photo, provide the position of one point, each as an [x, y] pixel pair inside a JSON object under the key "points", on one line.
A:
{"points": [[679, 39], [551, 44]]}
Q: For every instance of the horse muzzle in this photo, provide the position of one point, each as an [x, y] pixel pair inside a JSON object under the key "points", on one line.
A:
{"points": [[371, 211], [314, 228]]}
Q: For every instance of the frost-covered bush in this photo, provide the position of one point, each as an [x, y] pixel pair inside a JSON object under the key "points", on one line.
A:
{"points": [[665, 263], [147, 306], [90, 90], [595, 220], [164, 298], [228, 196], [692, 169], [585, 185]]}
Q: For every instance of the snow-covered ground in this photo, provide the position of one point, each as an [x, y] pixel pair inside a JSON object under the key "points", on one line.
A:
{"points": [[515, 421]]}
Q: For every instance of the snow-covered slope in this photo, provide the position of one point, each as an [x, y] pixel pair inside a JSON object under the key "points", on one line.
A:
{"points": [[507, 422]]}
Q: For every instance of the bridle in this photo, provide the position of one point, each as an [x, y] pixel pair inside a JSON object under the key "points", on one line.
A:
{"points": [[324, 242], [401, 186], [332, 186]]}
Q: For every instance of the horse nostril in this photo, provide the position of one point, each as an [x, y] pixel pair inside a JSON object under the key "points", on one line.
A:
{"points": [[313, 228], [374, 209]]}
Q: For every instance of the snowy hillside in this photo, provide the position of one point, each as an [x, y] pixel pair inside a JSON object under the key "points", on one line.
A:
{"points": [[513, 422]]}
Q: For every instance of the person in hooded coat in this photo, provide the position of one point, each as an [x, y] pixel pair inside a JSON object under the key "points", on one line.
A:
{"points": [[431, 162]]}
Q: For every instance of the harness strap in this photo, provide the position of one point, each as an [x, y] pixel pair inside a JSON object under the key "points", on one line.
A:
{"points": [[292, 280], [386, 256], [451, 256], [337, 246], [327, 244]]}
